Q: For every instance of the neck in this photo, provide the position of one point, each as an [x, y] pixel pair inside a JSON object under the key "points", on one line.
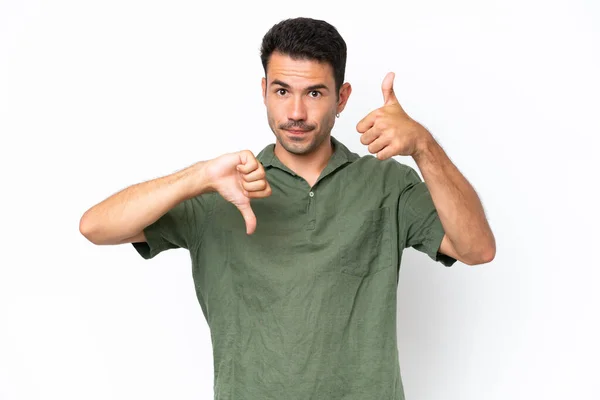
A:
{"points": [[309, 166]]}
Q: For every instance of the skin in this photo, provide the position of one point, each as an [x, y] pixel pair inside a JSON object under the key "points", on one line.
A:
{"points": [[301, 95], [389, 131]]}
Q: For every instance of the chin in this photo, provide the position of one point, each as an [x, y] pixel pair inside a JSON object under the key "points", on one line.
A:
{"points": [[305, 143], [296, 148]]}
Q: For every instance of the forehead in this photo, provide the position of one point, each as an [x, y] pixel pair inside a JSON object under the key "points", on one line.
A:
{"points": [[298, 71]]}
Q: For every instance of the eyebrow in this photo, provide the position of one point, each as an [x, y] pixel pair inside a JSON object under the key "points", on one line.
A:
{"points": [[309, 88]]}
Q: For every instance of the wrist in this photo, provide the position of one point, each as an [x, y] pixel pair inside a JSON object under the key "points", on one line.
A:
{"points": [[195, 180], [425, 147]]}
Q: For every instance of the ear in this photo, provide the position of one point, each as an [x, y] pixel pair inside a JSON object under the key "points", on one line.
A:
{"points": [[263, 84], [345, 91]]}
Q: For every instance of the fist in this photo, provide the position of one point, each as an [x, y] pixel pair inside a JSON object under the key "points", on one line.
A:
{"points": [[239, 177]]}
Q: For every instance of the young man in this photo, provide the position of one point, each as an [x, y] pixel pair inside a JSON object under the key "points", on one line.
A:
{"points": [[299, 291]]}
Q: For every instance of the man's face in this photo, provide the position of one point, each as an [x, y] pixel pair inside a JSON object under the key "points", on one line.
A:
{"points": [[301, 102]]}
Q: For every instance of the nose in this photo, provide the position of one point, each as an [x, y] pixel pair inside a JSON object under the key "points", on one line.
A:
{"points": [[297, 109]]}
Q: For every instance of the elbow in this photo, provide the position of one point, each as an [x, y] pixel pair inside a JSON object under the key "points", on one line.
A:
{"points": [[483, 256], [85, 229]]}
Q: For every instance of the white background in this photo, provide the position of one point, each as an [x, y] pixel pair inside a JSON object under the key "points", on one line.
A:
{"points": [[96, 96]]}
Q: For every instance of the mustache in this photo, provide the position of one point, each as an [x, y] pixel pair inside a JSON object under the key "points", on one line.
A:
{"points": [[297, 125]]}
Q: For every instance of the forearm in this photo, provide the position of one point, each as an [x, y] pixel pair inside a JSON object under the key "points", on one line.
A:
{"points": [[129, 211], [457, 203]]}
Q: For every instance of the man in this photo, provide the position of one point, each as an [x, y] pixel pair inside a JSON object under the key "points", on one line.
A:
{"points": [[299, 291]]}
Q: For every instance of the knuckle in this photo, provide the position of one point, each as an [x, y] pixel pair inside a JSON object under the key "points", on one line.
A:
{"points": [[250, 156]]}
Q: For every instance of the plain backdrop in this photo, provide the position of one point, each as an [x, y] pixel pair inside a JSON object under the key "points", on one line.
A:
{"points": [[97, 96]]}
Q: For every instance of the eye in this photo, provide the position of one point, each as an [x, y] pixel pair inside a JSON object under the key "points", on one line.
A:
{"points": [[315, 94], [281, 92]]}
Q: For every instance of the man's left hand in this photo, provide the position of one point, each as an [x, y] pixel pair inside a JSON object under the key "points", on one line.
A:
{"points": [[389, 131]]}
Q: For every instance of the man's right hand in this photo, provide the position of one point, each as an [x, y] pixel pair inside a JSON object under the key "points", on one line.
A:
{"points": [[239, 177]]}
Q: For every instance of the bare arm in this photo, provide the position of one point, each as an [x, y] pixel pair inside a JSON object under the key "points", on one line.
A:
{"points": [[122, 217], [468, 234], [389, 131]]}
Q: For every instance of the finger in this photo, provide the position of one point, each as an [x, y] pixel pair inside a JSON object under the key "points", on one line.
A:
{"points": [[248, 162], [370, 135], [378, 145], [254, 186], [255, 175], [387, 87], [249, 217], [367, 122], [386, 153], [260, 194]]}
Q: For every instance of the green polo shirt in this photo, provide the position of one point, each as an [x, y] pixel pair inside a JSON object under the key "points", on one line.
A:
{"points": [[305, 308]]}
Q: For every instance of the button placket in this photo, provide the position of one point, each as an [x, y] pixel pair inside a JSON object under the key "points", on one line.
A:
{"points": [[311, 211]]}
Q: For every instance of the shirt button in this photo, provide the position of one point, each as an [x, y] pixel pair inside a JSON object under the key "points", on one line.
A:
{"points": [[311, 194]]}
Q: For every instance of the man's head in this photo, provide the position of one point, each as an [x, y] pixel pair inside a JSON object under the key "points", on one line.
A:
{"points": [[304, 61]]}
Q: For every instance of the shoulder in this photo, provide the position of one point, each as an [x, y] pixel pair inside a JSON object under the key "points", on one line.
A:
{"points": [[391, 168]]}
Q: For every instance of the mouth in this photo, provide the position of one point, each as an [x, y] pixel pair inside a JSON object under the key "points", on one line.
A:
{"points": [[297, 131]]}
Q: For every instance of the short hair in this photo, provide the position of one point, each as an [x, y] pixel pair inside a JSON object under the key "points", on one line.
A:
{"points": [[307, 38]]}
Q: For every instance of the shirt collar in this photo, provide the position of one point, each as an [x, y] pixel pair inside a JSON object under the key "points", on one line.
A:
{"points": [[341, 155]]}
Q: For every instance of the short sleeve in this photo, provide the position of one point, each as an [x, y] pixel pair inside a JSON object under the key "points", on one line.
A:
{"points": [[181, 227], [420, 224]]}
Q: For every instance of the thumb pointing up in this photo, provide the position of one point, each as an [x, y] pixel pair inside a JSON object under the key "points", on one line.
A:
{"points": [[387, 87]]}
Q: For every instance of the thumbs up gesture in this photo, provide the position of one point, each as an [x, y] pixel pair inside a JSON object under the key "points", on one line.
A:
{"points": [[389, 131]]}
